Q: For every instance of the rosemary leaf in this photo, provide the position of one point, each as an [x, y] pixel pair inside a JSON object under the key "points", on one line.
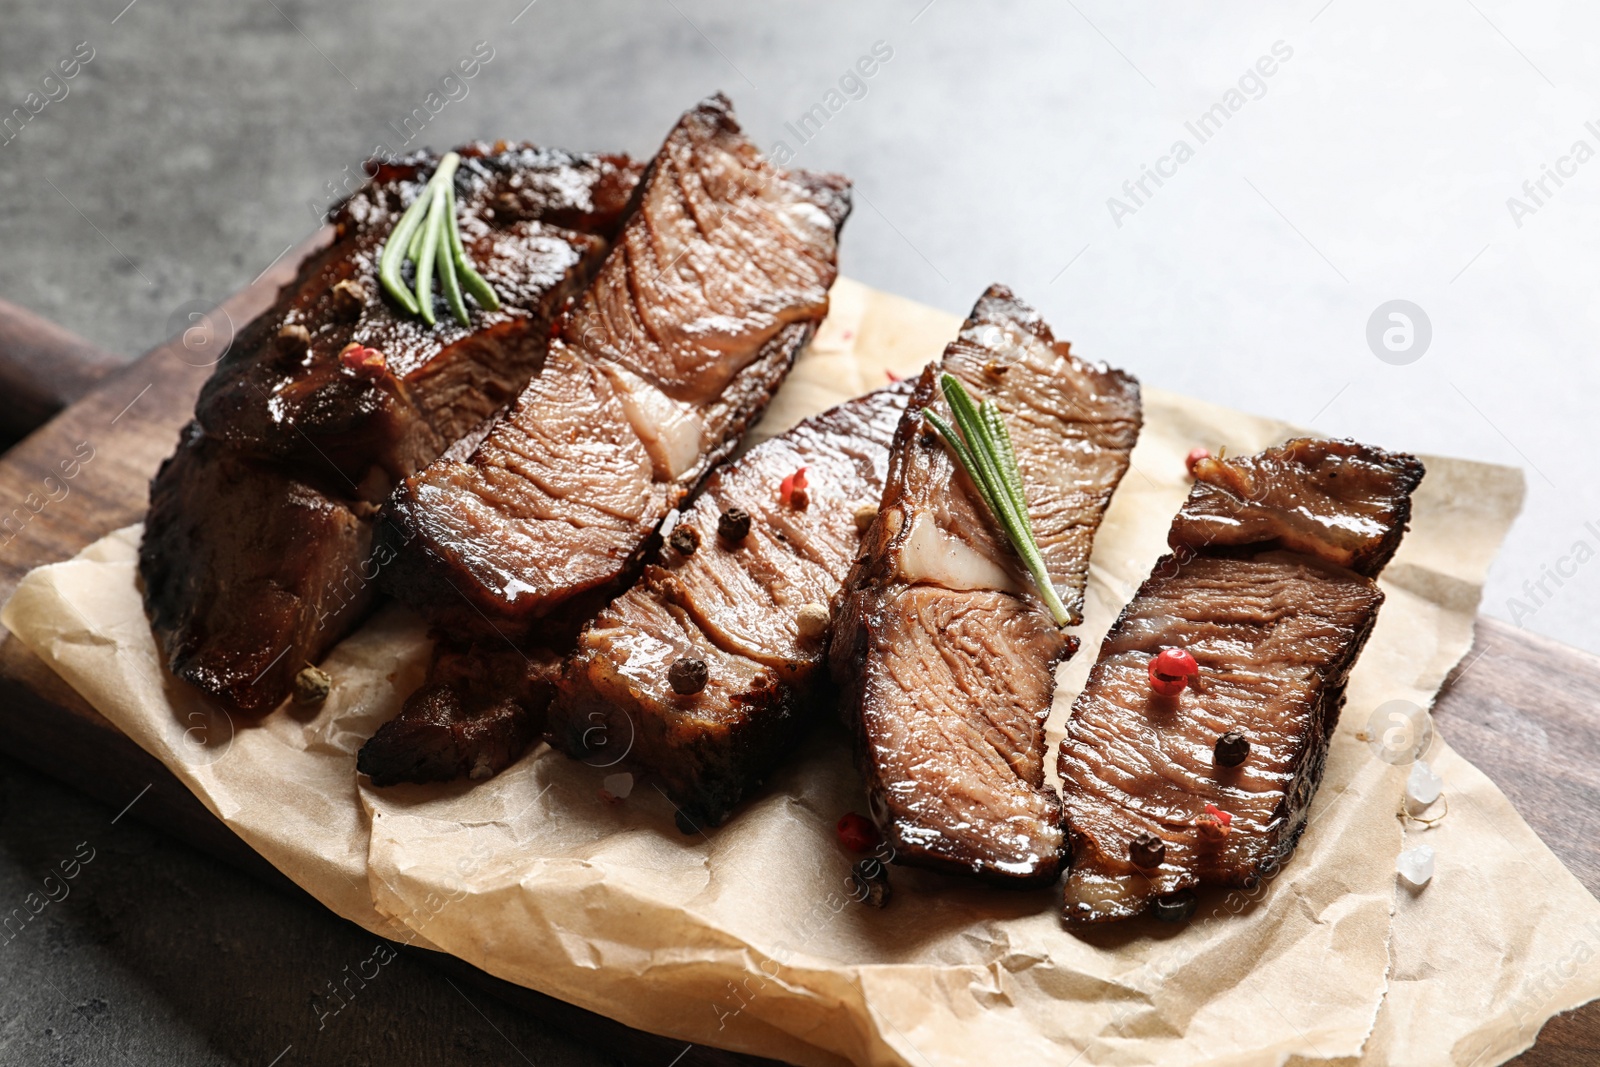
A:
{"points": [[985, 451], [429, 236]]}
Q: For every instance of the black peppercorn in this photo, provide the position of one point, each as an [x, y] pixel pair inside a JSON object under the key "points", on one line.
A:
{"points": [[734, 526], [1232, 749], [684, 538], [870, 880], [687, 676], [1175, 907], [1147, 850]]}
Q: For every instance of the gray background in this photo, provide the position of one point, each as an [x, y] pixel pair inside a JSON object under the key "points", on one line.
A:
{"points": [[1375, 163]]}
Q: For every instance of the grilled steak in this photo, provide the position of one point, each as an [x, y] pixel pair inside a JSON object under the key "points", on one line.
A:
{"points": [[716, 282], [257, 550], [482, 706], [249, 573], [536, 223], [735, 607], [943, 649], [1274, 632]]}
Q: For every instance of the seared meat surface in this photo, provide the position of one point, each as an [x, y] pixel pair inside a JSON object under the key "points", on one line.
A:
{"points": [[535, 222], [734, 606], [715, 284], [1342, 502], [257, 553], [945, 654], [250, 573], [481, 708], [1274, 633]]}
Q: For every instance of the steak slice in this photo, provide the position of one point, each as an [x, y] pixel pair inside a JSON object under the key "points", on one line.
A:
{"points": [[715, 284], [482, 706], [1275, 634], [945, 654], [255, 558], [1342, 502], [249, 573], [536, 223], [735, 607]]}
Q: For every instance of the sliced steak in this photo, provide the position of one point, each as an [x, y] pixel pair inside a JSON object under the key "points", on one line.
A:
{"points": [[1274, 633], [256, 550], [715, 284], [734, 606], [481, 708], [943, 649], [1342, 502], [536, 223], [249, 573]]}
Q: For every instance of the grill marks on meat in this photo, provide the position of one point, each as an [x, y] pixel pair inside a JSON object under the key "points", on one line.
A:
{"points": [[1275, 634], [715, 284], [257, 555], [537, 224], [736, 608], [944, 652]]}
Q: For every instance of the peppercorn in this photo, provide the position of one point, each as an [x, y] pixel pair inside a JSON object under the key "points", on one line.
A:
{"points": [[1214, 825], [1170, 671], [856, 832], [734, 525], [349, 297], [865, 514], [871, 881], [793, 490], [687, 676], [684, 538], [1147, 850], [994, 369], [1174, 907], [311, 686], [362, 361], [293, 339], [1232, 749], [812, 622]]}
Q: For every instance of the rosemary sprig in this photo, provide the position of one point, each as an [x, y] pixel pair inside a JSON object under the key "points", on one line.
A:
{"points": [[427, 235], [984, 450]]}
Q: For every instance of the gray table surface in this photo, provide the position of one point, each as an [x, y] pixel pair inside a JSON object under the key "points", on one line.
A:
{"points": [[1383, 157]]}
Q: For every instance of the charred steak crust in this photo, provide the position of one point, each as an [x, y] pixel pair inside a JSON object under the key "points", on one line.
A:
{"points": [[734, 607], [1275, 633], [943, 652], [248, 571], [716, 282], [480, 709], [258, 547], [1340, 501], [536, 222]]}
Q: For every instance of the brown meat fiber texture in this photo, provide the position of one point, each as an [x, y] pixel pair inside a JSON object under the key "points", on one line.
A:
{"points": [[718, 278], [1261, 592], [257, 555], [734, 606], [944, 653]]}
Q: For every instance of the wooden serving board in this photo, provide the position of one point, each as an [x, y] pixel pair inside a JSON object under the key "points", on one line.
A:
{"points": [[130, 421]]}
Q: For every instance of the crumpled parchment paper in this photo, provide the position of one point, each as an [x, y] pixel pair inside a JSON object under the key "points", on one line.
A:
{"points": [[748, 937]]}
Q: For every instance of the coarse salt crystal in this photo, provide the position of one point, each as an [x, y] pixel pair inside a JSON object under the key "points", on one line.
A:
{"points": [[1423, 786], [618, 785], [1416, 865]]}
